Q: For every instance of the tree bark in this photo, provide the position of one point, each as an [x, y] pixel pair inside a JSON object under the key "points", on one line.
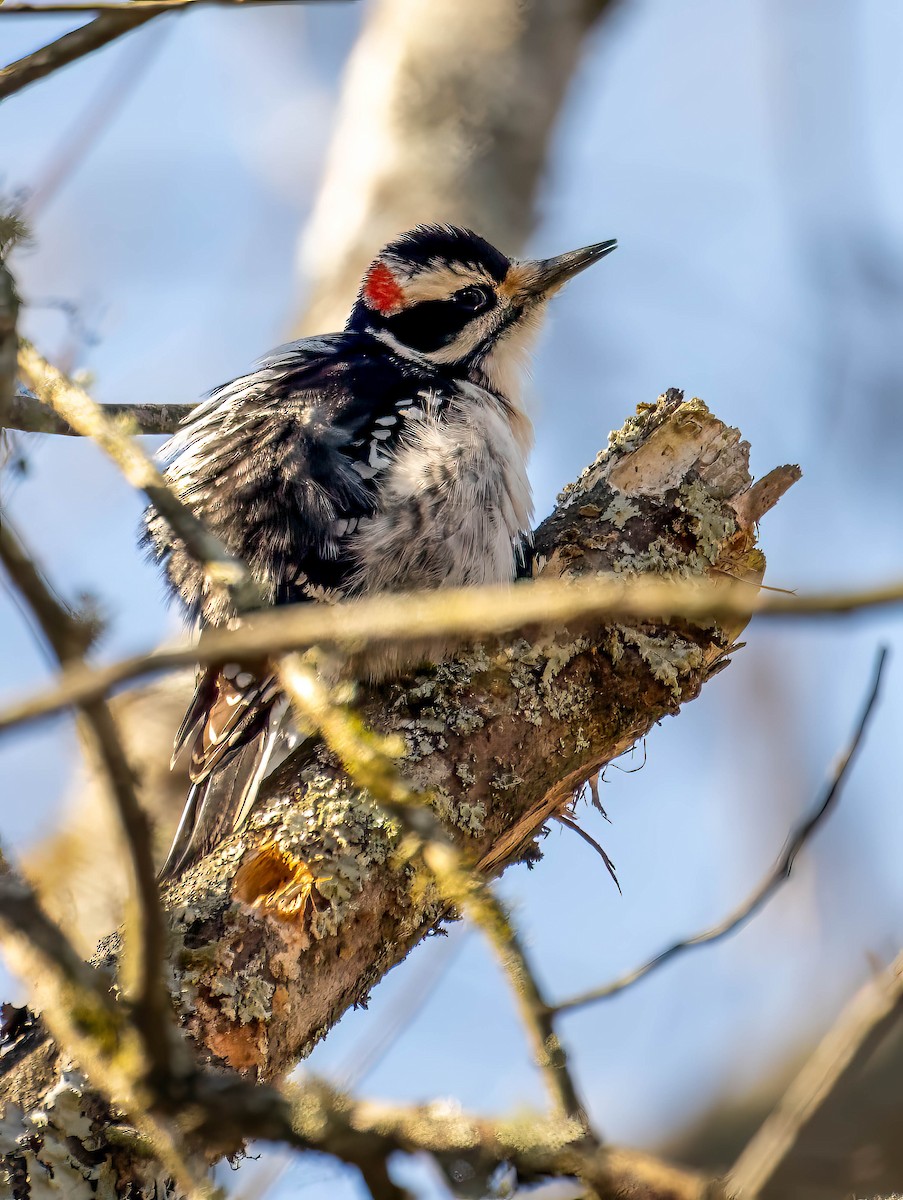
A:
{"points": [[285, 926]]}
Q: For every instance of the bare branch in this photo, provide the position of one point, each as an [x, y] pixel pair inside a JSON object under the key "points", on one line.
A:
{"points": [[9, 311], [455, 615], [143, 6], [534, 1145], [859, 1030], [777, 876], [571, 824], [21, 915], [87, 1023], [67, 637], [114, 22], [71, 46], [27, 414]]}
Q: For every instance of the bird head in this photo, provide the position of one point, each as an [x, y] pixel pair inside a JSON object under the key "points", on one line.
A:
{"points": [[447, 296]]}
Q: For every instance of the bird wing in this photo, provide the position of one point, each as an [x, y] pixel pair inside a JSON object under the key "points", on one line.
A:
{"points": [[283, 463]]}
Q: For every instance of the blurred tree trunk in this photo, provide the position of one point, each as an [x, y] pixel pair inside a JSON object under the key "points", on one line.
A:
{"points": [[445, 119]]}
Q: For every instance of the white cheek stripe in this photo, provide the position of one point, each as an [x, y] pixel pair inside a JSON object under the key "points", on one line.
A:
{"points": [[390, 340]]}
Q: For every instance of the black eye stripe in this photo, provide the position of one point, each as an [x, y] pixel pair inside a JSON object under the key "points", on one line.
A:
{"points": [[432, 324]]}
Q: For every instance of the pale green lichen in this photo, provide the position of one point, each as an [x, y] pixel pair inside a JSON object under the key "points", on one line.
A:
{"points": [[660, 557], [669, 657], [710, 522], [463, 814], [54, 1146], [465, 773], [506, 780], [534, 668], [619, 511], [631, 434], [245, 998]]}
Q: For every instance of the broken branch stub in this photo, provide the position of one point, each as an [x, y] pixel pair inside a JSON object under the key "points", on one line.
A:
{"points": [[285, 926]]}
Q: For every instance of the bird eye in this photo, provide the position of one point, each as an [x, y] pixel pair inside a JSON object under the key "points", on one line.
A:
{"points": [[474, 298]]}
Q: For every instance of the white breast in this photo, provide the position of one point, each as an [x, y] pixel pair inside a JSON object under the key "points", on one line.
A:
{"points": [[453, 501]]}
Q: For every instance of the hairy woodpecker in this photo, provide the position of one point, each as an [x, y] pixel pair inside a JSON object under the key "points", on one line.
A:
{"points": [[388, 457]]}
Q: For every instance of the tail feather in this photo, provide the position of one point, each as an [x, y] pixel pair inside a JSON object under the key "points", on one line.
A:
{"points": [[220, 803], [235, 721]]}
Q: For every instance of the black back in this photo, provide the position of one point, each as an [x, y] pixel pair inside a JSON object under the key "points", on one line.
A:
{"points": [[276, 461]]}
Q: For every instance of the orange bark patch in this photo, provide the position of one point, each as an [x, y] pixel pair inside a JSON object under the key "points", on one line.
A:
{"points": [[277, 882], [239, 1045]]}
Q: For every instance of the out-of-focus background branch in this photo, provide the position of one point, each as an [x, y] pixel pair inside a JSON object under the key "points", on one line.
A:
{"points": [[746, 157]]}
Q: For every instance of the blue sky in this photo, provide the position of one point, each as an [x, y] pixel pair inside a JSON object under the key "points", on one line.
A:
{"points": [[746, 157]]}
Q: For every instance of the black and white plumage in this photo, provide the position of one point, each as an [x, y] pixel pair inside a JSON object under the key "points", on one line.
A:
{"points": [[391, 456]]}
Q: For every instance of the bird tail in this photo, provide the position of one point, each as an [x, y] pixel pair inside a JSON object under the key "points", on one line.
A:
{"points": [[220, 802]]}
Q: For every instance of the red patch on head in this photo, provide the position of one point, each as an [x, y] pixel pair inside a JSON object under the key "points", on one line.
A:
{"points": [[382, 290]]}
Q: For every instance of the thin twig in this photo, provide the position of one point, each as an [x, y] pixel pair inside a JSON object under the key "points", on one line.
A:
{"points": [[67, 638], [9, 311], [21, 914], [536, 1015], [76, 407], [144, 6], [776, 877], [568, 823], [862, 1026], [370, 761], [71, 46], [454, 614], [27, 414], [114, 21]]}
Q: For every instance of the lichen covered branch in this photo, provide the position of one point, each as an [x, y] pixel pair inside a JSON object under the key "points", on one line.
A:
{"points": [[499, 737], [294, 919], [368, 761]]}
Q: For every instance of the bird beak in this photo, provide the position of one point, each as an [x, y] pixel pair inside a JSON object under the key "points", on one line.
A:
{"points": [[546, 275]]}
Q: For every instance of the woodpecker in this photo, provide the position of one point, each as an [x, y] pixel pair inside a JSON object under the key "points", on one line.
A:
{"points": [[391, 456]]}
